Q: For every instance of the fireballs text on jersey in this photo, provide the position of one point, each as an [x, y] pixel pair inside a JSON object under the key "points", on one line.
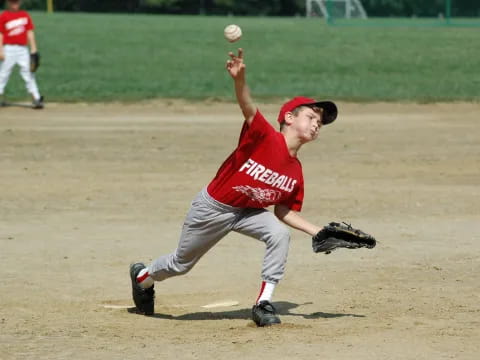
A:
{"points": [[268, 176]]}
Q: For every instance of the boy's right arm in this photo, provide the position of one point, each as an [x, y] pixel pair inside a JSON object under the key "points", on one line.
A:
{"points": [[32, 42], [236, 69], [2, 55]]}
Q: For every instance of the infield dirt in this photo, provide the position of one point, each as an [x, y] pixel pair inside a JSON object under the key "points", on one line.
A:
{"points": [[87, 189]]}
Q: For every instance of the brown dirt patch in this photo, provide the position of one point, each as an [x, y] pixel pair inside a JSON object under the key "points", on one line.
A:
{"points": [[86, 189]]}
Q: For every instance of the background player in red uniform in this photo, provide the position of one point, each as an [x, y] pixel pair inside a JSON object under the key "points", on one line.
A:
{"points": [[263, 170], [16, 32]]}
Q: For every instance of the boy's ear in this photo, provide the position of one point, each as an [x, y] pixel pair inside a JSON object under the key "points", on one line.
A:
{"points": [[289, 117]]}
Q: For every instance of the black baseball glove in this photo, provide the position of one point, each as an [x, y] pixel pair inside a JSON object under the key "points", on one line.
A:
{"points": [[336, 235], [34, 62]]}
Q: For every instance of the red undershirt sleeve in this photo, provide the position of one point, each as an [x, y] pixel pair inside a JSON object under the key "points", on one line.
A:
{"points": [[295, 201], [30, 25], [2, 26], [258, 130]]}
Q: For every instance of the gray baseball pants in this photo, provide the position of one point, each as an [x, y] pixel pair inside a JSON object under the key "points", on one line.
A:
{"points": [[208, 221]]}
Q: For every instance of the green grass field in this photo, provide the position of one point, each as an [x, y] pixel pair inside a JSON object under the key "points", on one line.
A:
{"points": [[93, 57]]}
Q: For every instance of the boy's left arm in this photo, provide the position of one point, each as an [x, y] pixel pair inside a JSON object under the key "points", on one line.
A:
{"points": [[330, 237], [32, 42], [293, 219]]}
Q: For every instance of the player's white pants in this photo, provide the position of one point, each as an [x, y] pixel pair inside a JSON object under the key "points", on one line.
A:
{"points": [[208, 221], [15, 54]]}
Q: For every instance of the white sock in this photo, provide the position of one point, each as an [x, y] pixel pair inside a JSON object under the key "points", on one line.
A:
{"points": [[266, 291], [144, 279]]}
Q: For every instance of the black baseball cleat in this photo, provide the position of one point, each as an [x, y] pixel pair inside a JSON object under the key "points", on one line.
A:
{"points": [[144, 299], [38, 104], [264, 314]]}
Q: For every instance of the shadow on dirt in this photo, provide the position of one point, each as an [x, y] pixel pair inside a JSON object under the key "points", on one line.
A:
{"points": [[283, 309], [20, 105]]}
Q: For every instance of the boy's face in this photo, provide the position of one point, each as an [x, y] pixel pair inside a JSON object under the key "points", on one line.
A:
{"points": [[306, 123], [14, 5]]}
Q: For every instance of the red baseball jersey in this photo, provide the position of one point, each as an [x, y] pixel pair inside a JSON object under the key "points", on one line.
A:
{"points": [[14, 26], [260, 172]]}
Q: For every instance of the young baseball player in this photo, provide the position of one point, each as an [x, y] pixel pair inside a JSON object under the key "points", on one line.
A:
{"points": [[262, 171], [16, 32]]}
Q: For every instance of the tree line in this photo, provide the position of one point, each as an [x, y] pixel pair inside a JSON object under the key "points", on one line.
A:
{"points": [[383, 8]]}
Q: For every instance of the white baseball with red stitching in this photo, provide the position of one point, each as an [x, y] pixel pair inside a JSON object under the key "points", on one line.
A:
{"points": [[232, 33]]}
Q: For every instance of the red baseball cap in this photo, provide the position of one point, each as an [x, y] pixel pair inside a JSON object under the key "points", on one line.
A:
{"points": [[330, 111]]}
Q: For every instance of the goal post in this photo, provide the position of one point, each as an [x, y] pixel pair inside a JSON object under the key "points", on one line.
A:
{"points": [[331, 9], [424, 13]]}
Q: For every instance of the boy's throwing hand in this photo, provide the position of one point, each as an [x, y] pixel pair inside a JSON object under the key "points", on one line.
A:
{"points": [[235, 66]]}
